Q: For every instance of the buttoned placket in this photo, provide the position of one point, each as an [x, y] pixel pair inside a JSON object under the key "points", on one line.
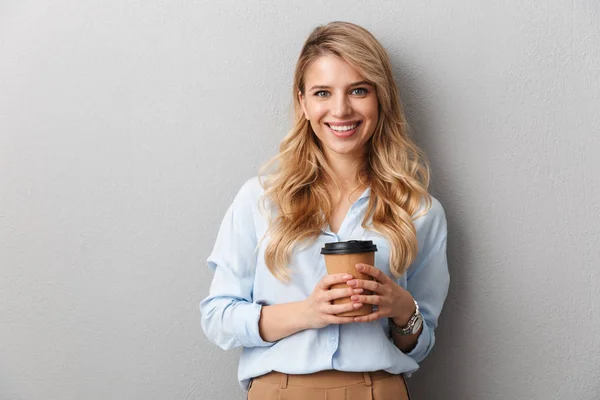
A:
{"points": [[347, 229], [349, 224]]}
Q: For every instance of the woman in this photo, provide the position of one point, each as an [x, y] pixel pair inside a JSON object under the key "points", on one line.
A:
{"points": [[346, 171]]}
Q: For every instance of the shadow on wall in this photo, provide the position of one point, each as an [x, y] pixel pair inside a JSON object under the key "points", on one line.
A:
{"points": [[441, 375]]}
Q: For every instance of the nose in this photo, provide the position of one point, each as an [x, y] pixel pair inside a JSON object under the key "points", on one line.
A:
{"points": [[341, 107]]}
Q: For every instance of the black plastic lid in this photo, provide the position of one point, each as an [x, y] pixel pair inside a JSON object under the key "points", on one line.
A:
{"points": [[349, 247]]}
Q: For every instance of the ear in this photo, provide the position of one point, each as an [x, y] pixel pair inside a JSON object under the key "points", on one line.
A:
{"points": [[302, 105]]}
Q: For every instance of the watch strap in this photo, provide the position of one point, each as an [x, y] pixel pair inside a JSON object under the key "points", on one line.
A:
{"points": [[412, 325]]}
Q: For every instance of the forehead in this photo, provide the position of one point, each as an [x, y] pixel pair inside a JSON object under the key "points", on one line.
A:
{"points": [[331, 70]]}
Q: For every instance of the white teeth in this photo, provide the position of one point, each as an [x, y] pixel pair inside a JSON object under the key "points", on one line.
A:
{"points": [[343, 128]]}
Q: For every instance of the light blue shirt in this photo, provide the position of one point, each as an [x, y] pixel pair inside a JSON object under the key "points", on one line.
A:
{"points": [[242, 284]]}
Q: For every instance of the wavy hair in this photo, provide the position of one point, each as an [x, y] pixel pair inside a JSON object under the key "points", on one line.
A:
{"points": [[395, 168]]}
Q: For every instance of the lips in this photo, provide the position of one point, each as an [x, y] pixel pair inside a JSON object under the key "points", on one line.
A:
{"points": [[343, 129]]}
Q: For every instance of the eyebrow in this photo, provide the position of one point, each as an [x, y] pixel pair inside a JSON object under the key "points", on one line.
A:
{"points": [[351, 85]]}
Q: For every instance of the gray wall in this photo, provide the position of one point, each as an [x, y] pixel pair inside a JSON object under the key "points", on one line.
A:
{"points": [[127, 127]]}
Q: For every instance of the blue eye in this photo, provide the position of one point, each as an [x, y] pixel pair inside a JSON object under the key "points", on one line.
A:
{"points": [[359, 91], [321, 93]]}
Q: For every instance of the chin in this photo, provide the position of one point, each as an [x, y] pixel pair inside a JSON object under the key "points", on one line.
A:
{"points": [[343, 150]]}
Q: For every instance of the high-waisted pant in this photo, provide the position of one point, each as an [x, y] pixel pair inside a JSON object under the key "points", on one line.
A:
{"points": [[329, 385]]}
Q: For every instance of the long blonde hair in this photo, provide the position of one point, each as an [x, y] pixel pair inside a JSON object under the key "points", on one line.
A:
{"points": [[395, 168]]}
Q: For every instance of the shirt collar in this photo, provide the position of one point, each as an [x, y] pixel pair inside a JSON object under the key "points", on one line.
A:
{"points": [[365, 194]]}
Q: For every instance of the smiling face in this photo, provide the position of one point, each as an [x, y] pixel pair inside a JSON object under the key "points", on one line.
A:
{"points": [[341, 106]]}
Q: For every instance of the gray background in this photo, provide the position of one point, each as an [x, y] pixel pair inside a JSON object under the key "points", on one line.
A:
{"points": [[126, 128]]}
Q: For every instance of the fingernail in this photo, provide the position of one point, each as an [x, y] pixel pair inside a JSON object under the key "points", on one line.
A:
{"points": [[352, 282], [357, 305], [354, 298], [360, 267], [359, 290], [347, 276]]}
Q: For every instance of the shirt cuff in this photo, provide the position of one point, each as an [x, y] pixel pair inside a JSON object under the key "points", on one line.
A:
{"points": [[246, 317], [424, 344]]}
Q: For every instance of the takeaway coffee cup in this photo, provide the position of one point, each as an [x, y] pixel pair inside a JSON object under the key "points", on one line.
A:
{"points": [[342, 257]]}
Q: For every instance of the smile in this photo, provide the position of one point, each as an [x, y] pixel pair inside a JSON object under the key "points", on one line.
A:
{"points": [[345, 128]]}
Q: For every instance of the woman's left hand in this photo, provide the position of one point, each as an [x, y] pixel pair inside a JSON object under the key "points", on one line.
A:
{"points": [[391, 299]]}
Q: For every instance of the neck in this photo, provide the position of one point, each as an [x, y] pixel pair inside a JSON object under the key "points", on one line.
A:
{"points": [[346, 170]]}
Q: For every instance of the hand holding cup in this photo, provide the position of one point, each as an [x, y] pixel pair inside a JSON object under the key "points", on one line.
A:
{"points": [[323, 307], [341, 258], [391, 299]]}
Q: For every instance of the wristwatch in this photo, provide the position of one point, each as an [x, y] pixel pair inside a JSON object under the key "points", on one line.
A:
{"points": [[414, 323]]}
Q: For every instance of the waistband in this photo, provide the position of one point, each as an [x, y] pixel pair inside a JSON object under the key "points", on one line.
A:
{"points": [[323, 379]]}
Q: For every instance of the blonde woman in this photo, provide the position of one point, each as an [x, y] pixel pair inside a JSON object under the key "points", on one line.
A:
{"points": [[346, 171]]}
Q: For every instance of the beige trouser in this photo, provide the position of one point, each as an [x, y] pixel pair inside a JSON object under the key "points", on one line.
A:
{"points": [[329, 385]]}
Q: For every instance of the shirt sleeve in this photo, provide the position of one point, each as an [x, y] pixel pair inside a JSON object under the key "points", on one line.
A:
{"points": [[229, 315], [428, 278]]}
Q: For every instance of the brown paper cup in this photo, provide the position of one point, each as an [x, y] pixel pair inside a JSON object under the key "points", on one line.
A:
{"points": [[345, 263]]}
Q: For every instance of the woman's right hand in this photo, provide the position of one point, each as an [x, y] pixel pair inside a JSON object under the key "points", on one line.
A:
{"points": [[318, 310]]}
